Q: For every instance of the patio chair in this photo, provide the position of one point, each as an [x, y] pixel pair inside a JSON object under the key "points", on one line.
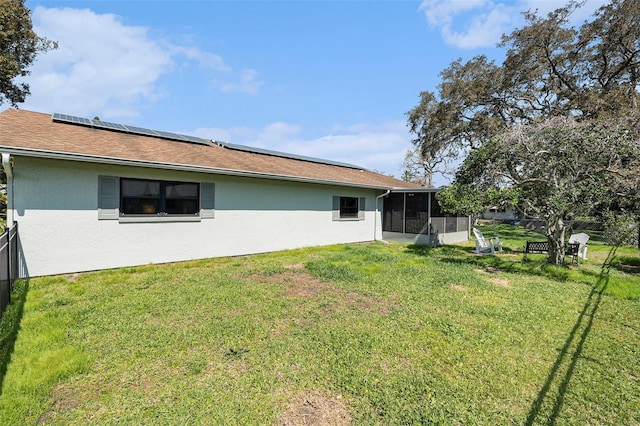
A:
{"points": [[486, 247], [581, 239]]}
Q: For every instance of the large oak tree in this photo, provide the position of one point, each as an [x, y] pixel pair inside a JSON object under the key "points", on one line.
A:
{"points": [[555, 169], [550, 69], [552, 128]]}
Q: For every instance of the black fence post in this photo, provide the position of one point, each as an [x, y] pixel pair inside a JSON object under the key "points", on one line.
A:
{"points": [[8, 264]]}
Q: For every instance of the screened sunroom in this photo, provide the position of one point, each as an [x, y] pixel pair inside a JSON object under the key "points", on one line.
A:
{"points": [[415, 216]]}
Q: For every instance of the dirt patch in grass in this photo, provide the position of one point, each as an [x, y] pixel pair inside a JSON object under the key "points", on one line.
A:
{"points": [[365, 302], [64, 399], [500, 282], [295, 266], [301, 284], [457, 287], [315, 409]]}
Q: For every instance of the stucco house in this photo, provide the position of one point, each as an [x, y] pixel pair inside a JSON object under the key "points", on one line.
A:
{"points": [[91, 195]]}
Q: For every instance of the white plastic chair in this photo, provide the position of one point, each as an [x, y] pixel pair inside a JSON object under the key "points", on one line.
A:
{"points": [[581, 239], [486, 247]]}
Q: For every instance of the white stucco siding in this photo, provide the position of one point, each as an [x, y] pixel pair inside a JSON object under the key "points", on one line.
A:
{"points": [[55, 203]]}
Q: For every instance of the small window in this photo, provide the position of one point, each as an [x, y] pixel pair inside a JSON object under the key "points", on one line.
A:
{"points": [[348, 208], [140, 197]]}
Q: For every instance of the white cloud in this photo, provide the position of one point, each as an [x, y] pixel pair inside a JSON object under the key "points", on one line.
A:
{"points": [[484, 29], [440, 13], [379, 147], [578, 17], [101, 65], [209, 60], [248, 83], [468, 24], [107, 68]]}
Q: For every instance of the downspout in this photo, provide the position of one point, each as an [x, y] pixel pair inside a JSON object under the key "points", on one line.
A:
{"points": [[8, 171], [375, 218]]}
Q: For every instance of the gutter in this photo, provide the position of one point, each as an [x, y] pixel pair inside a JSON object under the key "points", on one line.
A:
{"points": [[375, 218], [56, 155]]}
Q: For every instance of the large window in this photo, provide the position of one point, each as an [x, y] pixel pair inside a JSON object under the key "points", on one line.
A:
{"points": [[141, 197], [145, 200]]}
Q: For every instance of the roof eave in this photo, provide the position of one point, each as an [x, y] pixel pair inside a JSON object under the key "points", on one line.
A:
{"points": [[58, 155]]}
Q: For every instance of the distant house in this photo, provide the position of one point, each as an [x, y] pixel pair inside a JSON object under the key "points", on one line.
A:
{"points": [[93, 195], [499, 213]]}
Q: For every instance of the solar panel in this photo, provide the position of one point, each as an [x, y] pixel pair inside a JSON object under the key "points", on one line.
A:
{"points": [[169, 135], [183, 138], [287, 155], [195, 139], [142, 131], [108, 125], [64, 118]]}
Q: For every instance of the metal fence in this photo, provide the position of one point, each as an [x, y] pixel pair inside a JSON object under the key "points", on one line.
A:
{"points": [[8, 264]]}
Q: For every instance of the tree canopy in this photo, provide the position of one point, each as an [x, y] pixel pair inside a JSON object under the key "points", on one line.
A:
{"points": [[550, 69], [553, 129], [555, 169], [19, 45]]}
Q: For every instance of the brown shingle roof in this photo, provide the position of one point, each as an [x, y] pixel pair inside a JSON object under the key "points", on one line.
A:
{"points": [[31, 133]]}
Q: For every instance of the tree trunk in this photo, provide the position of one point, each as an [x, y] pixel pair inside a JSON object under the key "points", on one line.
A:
{"points": [[555, 237]]}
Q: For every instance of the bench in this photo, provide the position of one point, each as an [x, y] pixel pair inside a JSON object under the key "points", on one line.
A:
{"points": [[542, 247]]}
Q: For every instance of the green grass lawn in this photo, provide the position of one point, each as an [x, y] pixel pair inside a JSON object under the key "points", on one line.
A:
{"points": [[361, 334]]}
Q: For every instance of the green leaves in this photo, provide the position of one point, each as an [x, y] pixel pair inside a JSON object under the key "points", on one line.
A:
{"points": [[551, 69], [19, 45], [554, 169]]}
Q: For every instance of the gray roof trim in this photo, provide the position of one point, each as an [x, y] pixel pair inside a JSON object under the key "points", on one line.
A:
{"points": [[59, 155]]}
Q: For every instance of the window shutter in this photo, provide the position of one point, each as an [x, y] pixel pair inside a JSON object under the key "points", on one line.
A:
{"points": [[207, 200], [336, 208], [108, 197], [361, 208]]}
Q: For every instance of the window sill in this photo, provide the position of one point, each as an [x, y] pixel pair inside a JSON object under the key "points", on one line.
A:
{"points": [[348, 219], [158, 219]]}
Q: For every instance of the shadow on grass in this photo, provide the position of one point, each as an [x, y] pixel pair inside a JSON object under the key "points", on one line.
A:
{"points": [[10, 325], [547, 407], [512, 263], [629, 265], [570, 352], [509, 231]]}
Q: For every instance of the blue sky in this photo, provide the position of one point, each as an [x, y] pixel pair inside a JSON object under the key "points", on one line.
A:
{"points": [[330, 79]]}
